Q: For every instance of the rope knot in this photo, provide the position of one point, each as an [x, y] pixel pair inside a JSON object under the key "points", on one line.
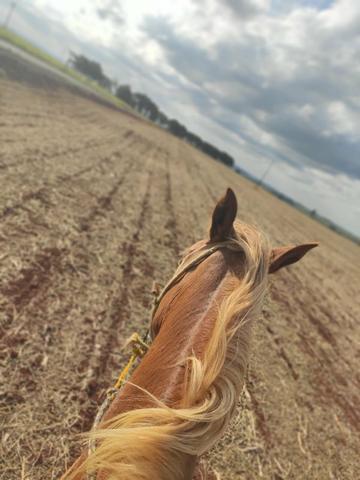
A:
{"points": [[139, 347]]}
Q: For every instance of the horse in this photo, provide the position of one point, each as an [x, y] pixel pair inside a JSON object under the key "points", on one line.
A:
{"points": [[182, 395]]}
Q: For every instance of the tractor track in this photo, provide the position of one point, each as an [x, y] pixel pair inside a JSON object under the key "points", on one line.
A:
{"points": [[40, 193], [32, 280], [34, 157], [118, 312], [119, 309], [281, 352], [171, 224]]}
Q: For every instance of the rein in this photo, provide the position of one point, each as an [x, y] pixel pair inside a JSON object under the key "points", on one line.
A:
{"points": [[141, 345], [179, 275]]}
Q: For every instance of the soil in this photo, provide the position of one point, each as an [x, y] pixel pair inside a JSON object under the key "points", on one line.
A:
{"points": [[95, 205]]}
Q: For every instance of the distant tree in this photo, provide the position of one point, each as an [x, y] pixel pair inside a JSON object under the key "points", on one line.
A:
{"points": [[162, 120], [146, 106], [210, 150], [194, 139], [89, 68], [124, 93], [114, 85], [226, 158], [143, 104], [177, 128]]}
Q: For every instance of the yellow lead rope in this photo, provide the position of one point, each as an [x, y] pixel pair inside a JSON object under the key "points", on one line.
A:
{"points": [[139, 350], [140, 347]]}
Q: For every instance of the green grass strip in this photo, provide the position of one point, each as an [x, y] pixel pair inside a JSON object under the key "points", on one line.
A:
{"points": [[36, 52]]}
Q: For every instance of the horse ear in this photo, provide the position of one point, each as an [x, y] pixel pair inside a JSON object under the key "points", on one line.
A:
{"points": [[223, 217], [283, 256]]}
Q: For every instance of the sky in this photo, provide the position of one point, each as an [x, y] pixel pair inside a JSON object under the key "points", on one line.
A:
{"points": [[272, 82]]}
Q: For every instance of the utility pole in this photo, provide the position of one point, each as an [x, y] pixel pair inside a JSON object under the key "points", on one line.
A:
{"points": [[9, 15], [267, 170]]}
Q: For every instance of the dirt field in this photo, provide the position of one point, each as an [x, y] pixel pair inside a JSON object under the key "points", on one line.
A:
{"points": [[94, 205]]}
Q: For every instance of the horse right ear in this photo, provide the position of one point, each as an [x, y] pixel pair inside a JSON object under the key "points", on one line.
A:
{"points": [[223, 217], [283, 256]]}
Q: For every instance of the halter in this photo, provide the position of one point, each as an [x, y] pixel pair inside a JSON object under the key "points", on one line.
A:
{"points": [[230, 244]]}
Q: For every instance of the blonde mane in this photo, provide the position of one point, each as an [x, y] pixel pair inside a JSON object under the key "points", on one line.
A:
{"points": [[150, 443]]}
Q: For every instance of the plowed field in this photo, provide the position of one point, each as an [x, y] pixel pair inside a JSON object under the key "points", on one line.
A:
{"points": [[95, 205]]}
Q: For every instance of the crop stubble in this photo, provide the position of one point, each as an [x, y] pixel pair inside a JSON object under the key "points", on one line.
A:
{"points": [[94, 206]]}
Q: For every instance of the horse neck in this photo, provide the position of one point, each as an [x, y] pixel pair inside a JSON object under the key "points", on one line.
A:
{"points": [[182, 327], [187, 324]]}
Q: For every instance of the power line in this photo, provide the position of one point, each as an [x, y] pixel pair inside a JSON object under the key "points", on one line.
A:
{"points": [[9, 15]]}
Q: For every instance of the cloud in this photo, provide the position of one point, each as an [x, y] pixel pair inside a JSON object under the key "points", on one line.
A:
{"points": [[111, 10], [284, 81], [246, 8]]}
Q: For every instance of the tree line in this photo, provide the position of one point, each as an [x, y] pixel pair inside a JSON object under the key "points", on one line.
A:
{"points": [[144, 105], [90, 69]]}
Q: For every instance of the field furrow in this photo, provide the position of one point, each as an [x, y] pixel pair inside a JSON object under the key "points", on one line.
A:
{"points": [[95, 205]]}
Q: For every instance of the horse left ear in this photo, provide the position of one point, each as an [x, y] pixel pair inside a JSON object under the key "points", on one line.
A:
{"points": [[283, 256], [223, 217]]}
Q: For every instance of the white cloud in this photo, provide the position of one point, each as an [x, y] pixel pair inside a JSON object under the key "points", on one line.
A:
{"points": [[343, 121]]}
